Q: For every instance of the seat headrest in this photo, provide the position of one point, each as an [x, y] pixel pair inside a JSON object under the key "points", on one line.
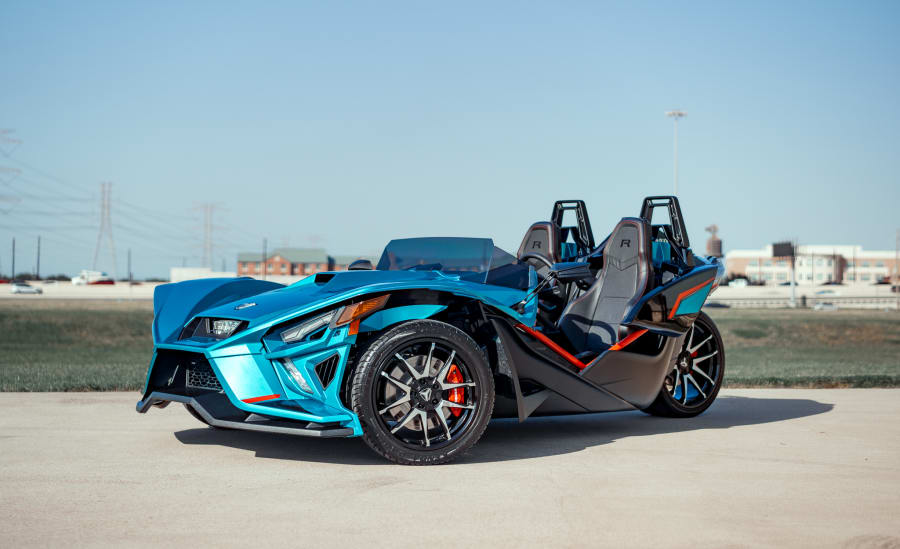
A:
{"points": [[542, 238]]}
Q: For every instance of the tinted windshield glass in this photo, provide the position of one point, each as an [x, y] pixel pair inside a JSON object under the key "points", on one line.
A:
{"points": [[472, 259]]}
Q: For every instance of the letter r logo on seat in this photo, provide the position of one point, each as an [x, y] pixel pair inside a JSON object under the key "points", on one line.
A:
{"points": [[625, 243]]}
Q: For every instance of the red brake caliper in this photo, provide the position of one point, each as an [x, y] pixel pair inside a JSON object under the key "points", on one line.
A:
{"points": [[456, 395]]}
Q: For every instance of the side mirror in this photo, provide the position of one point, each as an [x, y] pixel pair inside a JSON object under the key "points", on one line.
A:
{"points": [[571, 272], [361, 265]]}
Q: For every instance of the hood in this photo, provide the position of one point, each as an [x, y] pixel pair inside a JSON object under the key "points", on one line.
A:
{"points": [[324, 289]]}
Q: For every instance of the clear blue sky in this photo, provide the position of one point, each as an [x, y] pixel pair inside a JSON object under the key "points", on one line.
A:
{"points": [[345, 124]]}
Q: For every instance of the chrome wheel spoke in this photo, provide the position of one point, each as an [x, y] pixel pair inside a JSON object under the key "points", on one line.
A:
{"points": [[691, 337], [694, 349], [412, 371], [451, 386], [396, 382], [397, 402], [443, 421], [702, 358], [406, 419], [451, 404], [428, 360], [423, 417], [679, 380], [695, 384], [702, 373], [445, 369]]}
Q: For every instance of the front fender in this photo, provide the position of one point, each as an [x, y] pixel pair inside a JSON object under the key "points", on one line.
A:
{"points": [[175, 304]]}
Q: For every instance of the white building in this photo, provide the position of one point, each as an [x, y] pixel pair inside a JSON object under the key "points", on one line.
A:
{"points": [[815, 265], [178, 274]]}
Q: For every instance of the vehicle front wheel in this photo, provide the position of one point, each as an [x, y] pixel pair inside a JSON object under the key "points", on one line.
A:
{"points": [[423, 392], [199, 418], [693, 383]]}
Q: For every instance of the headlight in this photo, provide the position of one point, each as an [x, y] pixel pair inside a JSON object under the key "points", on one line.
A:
{"points": [[224, 328], [212, 328], [300, 331], [349, 314]]}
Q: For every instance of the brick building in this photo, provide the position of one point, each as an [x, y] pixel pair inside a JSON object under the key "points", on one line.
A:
{"points": [[815, 265], [284, 262], [293, 262]]}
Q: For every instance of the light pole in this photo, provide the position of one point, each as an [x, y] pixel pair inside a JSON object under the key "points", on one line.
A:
{"points": [[675, 115]]}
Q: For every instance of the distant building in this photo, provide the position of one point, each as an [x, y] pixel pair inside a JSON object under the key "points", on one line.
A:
{"points": [[714, 244], [815, 265], [178, 274], [295, 262]]}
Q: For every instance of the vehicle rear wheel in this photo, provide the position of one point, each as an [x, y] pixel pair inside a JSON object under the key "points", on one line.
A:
{"points": [[423, 392], [693, 383]]}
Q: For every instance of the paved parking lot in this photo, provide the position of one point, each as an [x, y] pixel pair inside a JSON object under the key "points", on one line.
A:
{"points": [[761, 468]]}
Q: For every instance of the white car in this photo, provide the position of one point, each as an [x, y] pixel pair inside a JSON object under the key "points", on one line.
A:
{"points": [[738, 283], [91, 277], [24, 288]]}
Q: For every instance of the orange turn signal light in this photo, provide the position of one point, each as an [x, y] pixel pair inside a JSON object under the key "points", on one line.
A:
{"points": [[357, 311]]}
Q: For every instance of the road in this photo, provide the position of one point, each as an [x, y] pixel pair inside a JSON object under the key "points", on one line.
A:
{"points": [[777, 467]]}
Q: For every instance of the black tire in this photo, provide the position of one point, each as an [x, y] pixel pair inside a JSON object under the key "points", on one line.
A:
{"points": [[379, 368], [669, 401], [196, 415]]}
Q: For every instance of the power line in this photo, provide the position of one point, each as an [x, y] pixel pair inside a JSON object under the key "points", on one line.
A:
{"points": [[105, 226]]}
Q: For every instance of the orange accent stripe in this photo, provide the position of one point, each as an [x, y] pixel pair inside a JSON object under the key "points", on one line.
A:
{"points": [[553, 346], [686, 293], [354, 328], [260, 399], [628, 340]]}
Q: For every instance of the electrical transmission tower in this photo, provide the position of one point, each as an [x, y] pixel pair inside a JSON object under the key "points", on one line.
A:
{"points": [[7, 175], [209, 209], [105, 227]]}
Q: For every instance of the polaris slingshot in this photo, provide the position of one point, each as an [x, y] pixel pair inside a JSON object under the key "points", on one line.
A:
{"points": [[418, 353]]}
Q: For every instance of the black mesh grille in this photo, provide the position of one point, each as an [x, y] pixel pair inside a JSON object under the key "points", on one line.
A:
{"points": [[326, 369], [201, 376]]}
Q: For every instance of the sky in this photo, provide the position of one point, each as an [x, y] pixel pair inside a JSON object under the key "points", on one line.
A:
{"points": [[344, 124]]}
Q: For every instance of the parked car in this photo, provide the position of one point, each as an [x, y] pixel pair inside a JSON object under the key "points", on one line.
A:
{"points": [[92, 278], [417, 354], [738, 283], [828, 293], [24, 288]]}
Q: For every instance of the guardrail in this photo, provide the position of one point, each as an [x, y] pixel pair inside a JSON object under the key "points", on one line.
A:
{"points": [[879, 302]]}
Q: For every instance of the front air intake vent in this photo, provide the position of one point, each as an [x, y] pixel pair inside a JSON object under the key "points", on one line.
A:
{"points": [[327, 368], [201, 376]]}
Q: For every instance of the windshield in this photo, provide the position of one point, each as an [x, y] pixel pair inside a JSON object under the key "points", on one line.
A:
{"points": [[471, 259]]}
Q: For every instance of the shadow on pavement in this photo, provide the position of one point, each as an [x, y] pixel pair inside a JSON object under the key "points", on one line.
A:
{"points": [[507, 439]]}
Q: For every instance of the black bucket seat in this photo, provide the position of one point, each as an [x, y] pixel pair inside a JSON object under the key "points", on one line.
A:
{"points": [[592, 321]]}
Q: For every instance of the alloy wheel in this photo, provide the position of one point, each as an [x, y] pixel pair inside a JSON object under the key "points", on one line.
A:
{"points": [[692, 380], [425, 395]]}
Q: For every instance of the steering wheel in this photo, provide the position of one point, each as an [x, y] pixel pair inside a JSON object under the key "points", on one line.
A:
{"points": [[540, 258]]}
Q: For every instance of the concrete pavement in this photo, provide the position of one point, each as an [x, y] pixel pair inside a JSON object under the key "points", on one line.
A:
{"points": [[760, 468]]}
